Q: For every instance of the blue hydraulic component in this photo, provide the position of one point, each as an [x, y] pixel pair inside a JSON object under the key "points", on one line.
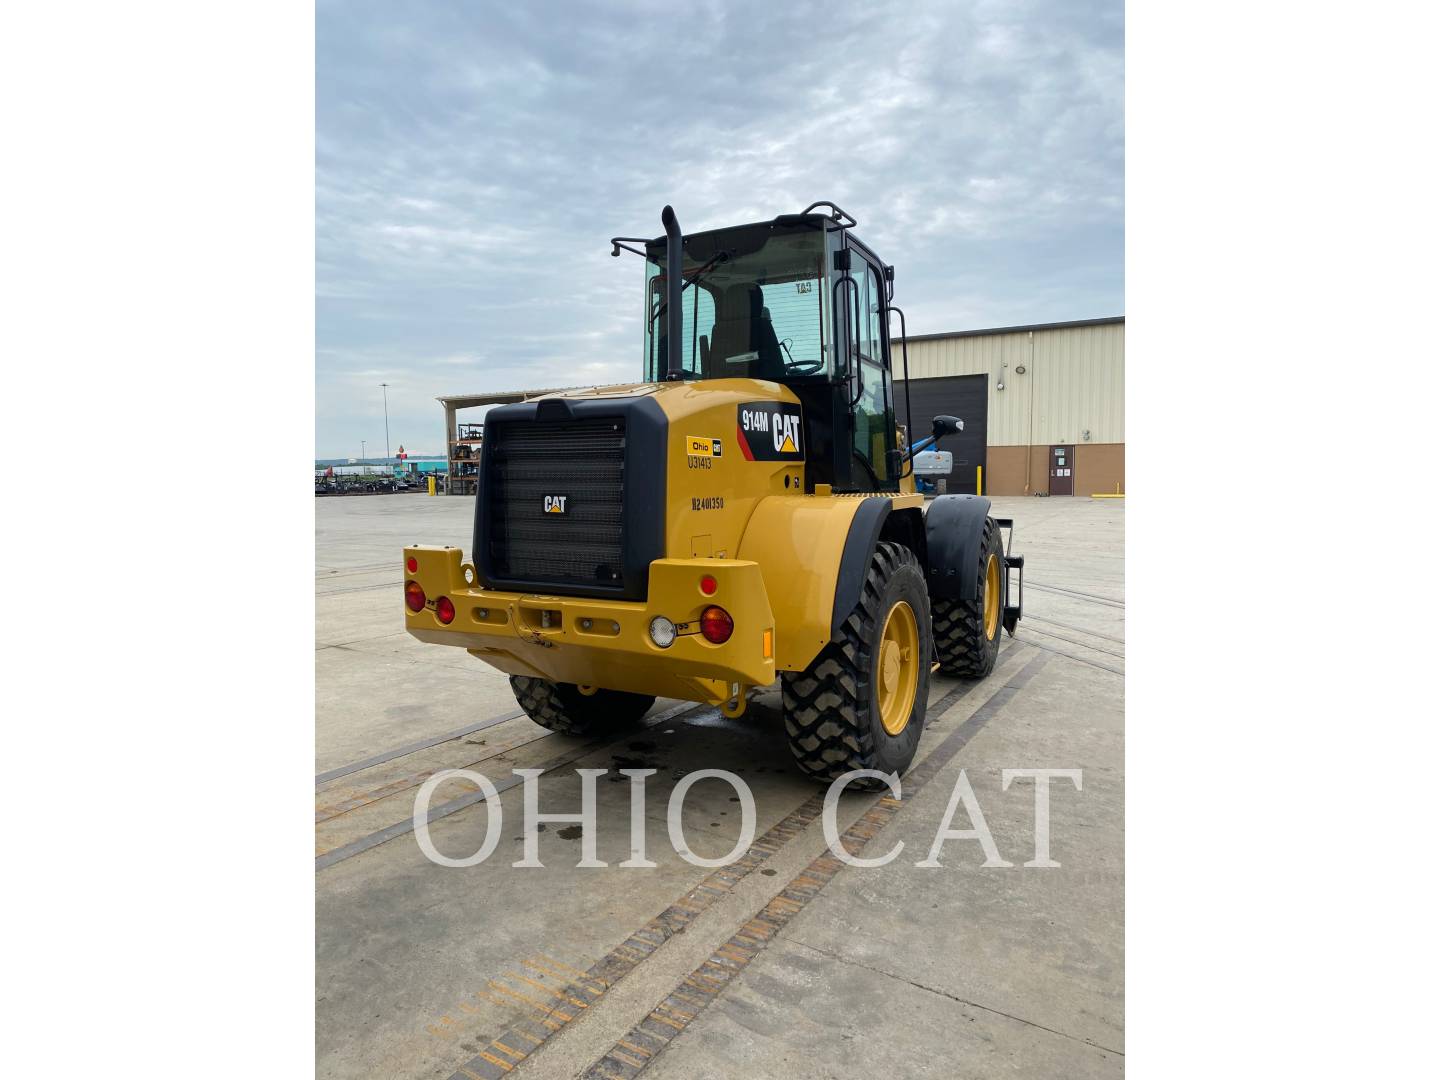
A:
{"points": [[923, 484], [924, 444], [943, 425]]}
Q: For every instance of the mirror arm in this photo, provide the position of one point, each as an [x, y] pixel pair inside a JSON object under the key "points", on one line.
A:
{"points": [[618, 242]]}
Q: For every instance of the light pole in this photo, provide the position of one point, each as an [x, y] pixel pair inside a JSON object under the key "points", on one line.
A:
{"points": [[385, 395], [362, 452]]}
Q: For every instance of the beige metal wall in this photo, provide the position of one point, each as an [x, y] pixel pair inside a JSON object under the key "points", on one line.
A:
{"points": [[1074, 381]]}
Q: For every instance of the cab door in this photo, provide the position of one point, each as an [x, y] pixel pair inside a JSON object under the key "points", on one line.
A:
{"points": [[871, 400]]}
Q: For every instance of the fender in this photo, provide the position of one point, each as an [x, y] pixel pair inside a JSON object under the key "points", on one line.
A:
{"points": [[954, 526], [802, 545], [850, 579], [898, 518]]}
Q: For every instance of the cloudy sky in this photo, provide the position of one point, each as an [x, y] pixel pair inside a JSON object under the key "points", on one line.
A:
{"points": [[474, 158]]}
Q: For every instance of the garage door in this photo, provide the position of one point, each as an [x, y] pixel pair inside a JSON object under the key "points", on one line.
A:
{"points": [[955, 395]]}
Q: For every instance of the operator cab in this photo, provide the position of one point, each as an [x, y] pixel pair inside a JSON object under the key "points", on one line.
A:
{"points": [[799, 301]]}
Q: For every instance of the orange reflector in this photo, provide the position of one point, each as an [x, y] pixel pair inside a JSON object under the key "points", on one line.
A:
{"points": [[767, 647]]}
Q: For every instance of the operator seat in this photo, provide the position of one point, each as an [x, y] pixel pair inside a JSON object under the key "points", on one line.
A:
{"points": [[740, 328]]}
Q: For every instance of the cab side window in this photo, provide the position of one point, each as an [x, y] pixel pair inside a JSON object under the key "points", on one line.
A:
{"points": [[870, 341]]}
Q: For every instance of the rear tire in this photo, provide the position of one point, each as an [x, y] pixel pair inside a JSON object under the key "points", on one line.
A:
{"points": [[563, 708], [967, 632], [840, 711]]}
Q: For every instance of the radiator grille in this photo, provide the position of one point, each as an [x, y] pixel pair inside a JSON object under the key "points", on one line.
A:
{"points": [[581, 461]]}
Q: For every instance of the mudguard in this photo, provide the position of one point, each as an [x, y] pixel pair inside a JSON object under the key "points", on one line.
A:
{"points": [[855, 559], [954, 527]]}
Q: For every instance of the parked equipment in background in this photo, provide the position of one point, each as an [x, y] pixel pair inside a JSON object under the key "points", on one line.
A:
{"points": [[464, 457], [931, 469], [328, 483], [933, 463], [747, 513]]}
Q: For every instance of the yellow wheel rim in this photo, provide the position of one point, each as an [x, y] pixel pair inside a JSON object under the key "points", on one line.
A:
{"points": [[992, 597], [897, 668]]}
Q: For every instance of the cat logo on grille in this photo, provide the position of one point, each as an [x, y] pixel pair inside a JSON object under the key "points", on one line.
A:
{"points": [[555, 504]]}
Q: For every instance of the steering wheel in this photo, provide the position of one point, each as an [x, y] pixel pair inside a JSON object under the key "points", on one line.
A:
{"points": [[804, 367]]}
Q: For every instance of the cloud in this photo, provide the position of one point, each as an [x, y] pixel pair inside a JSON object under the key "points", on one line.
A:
{"points": [[473, 160]]}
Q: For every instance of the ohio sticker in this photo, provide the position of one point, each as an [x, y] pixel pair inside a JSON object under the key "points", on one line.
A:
{"points": [[770, 431]]}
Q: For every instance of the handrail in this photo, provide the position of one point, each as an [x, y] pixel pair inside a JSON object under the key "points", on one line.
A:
{"points": [[905, 362], [845, 324]]}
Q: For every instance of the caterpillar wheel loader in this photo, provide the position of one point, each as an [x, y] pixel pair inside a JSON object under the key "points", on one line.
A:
{"points": [[746, 513]]}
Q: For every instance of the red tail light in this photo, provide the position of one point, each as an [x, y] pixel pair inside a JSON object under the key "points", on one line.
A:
{"points": [[716, 625], [414, 596], [445, 610], [412, 564]]}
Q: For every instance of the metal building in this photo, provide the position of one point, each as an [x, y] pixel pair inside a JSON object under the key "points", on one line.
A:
{"points": [[1043, 405]]}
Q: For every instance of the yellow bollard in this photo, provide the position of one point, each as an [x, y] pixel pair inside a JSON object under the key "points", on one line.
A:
{"points": [[431, 482], [979, 479]]}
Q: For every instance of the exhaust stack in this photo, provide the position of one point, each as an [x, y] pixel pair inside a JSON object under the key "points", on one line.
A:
{"points": [[674, 288]]}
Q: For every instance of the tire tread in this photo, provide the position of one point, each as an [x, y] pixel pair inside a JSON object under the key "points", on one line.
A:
{"points": [[958, 626], [563, 709], [827, 706]]}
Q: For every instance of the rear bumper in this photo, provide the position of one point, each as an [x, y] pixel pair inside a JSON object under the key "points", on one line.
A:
{"points": [[605, 643]]}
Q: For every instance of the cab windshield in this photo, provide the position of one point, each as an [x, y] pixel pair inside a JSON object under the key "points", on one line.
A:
{"points": [[755, 306]]}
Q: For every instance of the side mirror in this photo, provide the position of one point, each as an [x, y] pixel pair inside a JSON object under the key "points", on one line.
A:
{"points": [[946, 425]]}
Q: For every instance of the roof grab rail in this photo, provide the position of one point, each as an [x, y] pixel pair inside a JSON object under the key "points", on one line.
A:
{"points": [[840, 217]]}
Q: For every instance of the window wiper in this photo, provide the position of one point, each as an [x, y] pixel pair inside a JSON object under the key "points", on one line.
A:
{"points": [[718, 258]]}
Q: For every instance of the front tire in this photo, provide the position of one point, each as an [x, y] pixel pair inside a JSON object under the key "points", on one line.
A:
{"points": [[564, 708], [861, 702], [967, 632]]}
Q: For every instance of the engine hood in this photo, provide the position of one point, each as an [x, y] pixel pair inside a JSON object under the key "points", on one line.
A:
{"points": [[618, 390], [680, 399]]}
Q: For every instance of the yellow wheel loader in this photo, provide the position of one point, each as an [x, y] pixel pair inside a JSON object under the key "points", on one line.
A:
{"points": [[746, 513]]}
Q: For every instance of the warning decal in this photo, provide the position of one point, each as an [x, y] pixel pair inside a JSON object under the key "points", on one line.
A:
{"points": [[770, 431]]}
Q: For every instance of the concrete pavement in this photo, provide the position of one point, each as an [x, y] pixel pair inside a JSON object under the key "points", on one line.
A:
{"points": [[424, 970]]}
